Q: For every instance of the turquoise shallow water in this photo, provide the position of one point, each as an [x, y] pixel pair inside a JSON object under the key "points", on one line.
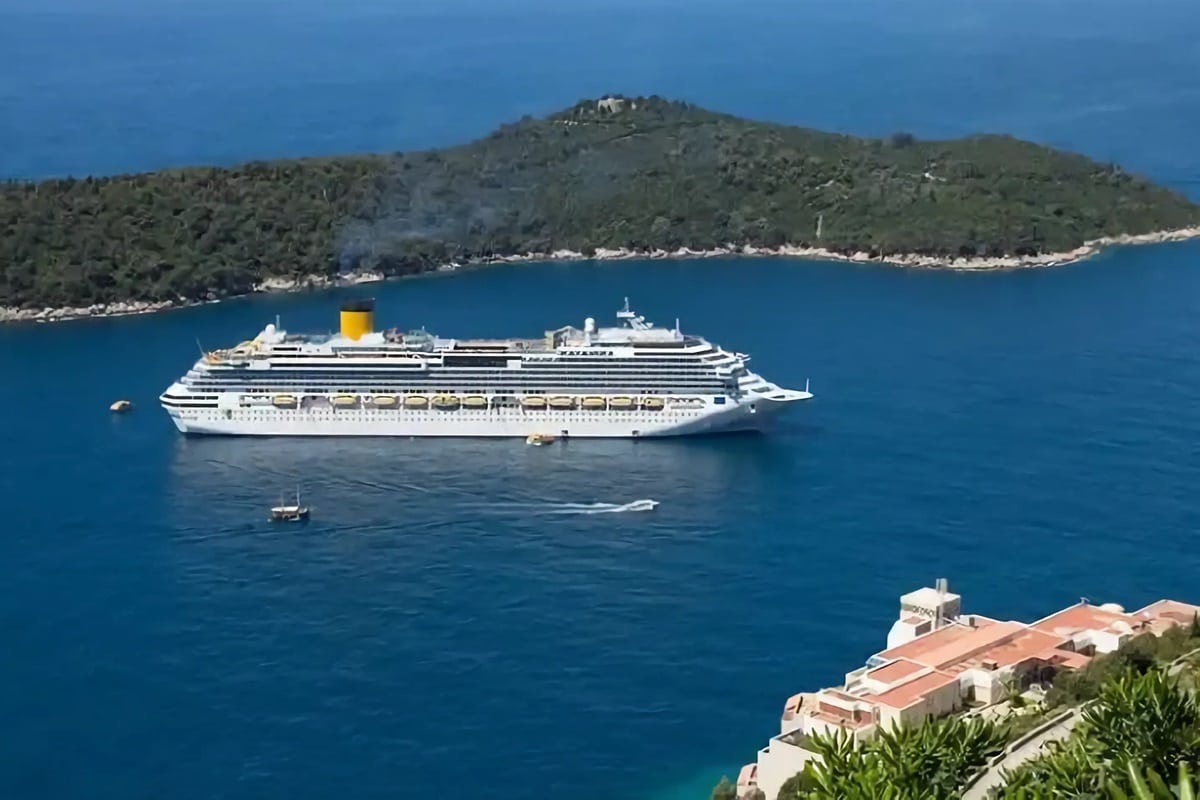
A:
{"points": [[439, 627]]}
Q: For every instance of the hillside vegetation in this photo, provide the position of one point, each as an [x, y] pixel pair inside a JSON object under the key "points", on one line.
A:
{"points": [[1138, 732], [641, 174]]}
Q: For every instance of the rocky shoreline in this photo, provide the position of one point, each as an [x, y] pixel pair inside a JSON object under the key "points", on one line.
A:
{"points": [[973, 264], [131, 307], [309, 282]]}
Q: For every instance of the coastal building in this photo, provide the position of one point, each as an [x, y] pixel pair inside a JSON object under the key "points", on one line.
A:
{"points": [[938, 661]]}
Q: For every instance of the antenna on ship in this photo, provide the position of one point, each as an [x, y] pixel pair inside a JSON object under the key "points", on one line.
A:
{"points": [[627, 315]]}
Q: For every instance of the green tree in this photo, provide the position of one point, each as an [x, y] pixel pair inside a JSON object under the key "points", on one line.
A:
{"points": [[1148, 785], [931, 761], [1137, 725], [654, 174], [1146, 720], [724, 790]]}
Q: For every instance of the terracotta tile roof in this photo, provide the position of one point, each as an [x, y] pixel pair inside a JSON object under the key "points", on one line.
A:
{"points": [[841, 722], [1065, 658], [895, 671], [1013, 649], [799, 703], [910, 692], [915, 649], [1084, 617], [840, 695], [953, 644], [1172, 610]]}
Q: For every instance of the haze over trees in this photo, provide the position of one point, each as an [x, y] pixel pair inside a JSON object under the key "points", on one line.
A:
{"points": [[643, 174]]}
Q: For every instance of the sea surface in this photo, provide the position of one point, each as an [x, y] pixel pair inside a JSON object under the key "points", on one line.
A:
{"points": [[460, 619]]}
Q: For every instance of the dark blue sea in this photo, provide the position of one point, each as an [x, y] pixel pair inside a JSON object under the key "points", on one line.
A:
{"points": [[449, 625]]}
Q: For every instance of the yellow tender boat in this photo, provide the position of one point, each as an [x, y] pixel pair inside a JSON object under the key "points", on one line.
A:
{"points": [[562, 402], [538, 439], [416, 401], [620, 402], [652, 403], [284, 401], [475, 401], [445, 401], [345, 400], [593, 402], [384, 401], [534, 402]]}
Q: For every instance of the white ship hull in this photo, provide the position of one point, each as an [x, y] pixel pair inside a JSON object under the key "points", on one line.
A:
{"points": [[266, 421], [631, 381]]}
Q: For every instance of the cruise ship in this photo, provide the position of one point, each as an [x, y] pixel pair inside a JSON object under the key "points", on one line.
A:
{"points": [[631, 380]]}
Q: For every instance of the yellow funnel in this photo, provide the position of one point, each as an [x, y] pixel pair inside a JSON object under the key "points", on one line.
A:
{"points": [[358, 318]]}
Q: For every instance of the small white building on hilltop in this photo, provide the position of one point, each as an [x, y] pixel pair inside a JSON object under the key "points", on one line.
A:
{"points": [[939, 660], [614, 105]]}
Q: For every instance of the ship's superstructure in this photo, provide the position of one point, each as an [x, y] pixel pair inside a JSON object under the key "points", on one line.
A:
{"points": [[632, 380]]}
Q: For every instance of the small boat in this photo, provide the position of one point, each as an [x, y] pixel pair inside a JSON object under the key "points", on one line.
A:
{"points": [[120, 407], [284, 401], [534, 402], [384, 401], [641, 505], [652, 403], [593, 402], [620, 402], [416, 401], [445, 402], [345, 400], [475, 401], [562, 402], [538, 439], [286, 513]]}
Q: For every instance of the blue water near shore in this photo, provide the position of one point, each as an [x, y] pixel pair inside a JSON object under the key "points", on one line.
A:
{"points": [[448, 624]]}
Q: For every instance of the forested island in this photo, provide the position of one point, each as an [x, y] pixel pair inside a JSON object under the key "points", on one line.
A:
{"points": [[634, 175]]}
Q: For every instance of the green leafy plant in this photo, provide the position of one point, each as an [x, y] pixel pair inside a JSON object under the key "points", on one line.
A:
{"points": [[930, 761], [1149, 786]]}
